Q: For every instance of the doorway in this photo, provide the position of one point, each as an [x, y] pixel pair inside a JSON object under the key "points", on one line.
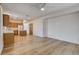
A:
{"points": [[31, 29]]}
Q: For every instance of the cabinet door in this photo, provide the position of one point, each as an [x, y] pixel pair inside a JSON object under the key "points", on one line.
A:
{"points": [[8, 39], [5, 20]]}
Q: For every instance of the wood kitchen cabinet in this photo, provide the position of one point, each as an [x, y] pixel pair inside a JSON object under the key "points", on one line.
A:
{"points": [[14, 25], [8, 39], [5, 20]]}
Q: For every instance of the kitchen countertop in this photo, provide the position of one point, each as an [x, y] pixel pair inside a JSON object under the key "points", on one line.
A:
{"points": [[8, 31]]}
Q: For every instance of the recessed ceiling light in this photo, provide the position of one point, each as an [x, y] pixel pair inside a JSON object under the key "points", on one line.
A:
{"points": [[42, 9]]}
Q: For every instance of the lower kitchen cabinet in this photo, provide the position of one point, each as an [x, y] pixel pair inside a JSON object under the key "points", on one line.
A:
{"points": [[8, 39]]}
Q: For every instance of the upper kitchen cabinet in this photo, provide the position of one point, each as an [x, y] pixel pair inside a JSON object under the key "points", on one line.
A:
{"points": [[5, 20]]}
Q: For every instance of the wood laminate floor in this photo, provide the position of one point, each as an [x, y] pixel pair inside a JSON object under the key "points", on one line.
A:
{"points": [[33, 45]]}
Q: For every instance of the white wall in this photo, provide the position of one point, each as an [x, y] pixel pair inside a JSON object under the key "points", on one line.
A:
{"points": [[65, 28], [38, 27], [45, 28], [1, 32]]}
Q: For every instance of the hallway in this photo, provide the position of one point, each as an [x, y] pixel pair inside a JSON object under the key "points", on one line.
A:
{"points": [[33, 45]]}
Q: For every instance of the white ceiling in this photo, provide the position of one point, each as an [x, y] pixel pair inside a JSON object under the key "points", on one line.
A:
{"points": [[33, 9]]}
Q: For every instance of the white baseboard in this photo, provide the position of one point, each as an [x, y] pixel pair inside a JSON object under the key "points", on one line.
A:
{"points": [[58, 38]]}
